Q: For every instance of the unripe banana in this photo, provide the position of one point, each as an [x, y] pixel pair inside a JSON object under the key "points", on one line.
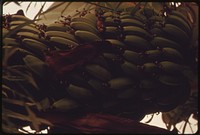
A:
{"points": [[130, 69], [99, 86], [65, 105], [128, 93], [58, 27], [85, 20], [133, 30], [27, 28], [98, 72], [132, 56], [176, 34], [35, 64], [91, 17], [16, 23], [116, 42], [148, 84], [150, 68], [164, 42], [156, 31], [10, 41], [19, 18], [136, 42], [172, 55], [111, 32], [131, 22], [30, 35], [34, 45], [79, 92], [179, 14], [77, 79], [126, 16], [156, 19], [120, 83], [4, 32], [87, 36], [61, 34], [152, 55], [109, 21], [172, 19], [63, 43], [170, 80], [110, 56], [170, 67], [108, 14], [84, 27]]}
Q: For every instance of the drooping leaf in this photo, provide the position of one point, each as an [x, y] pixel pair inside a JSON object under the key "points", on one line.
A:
{"points": [[28, 6]]}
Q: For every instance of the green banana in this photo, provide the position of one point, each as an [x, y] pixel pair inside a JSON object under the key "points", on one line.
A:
{"points": [[150, 68], [19, 18], [65, 105], [131, 22], [91, 17], [136, 42], [109, 21], [148, 84], [116, 42], [126, 16], [108, 14], [172, 19], [172, 55], [84, 27], [58, 27], [110, 56], [34, 45], [156, 18], [176, 34], [124, 13], [29, 35], [63, 43], [111, 30], [170, 67], [98, 72], [134, 30], [140, 16], [87, 36], [98, 85], [61, 34], [4, 32], [152, 55], [132, 56], [120, 83], [10, 41], [156, 31], [79, 92], [179, 14], [164, 42], [130, 69], [14, 23], [27, 28], [127, 93], [170, 80], [77, 79], [85, 20], [35, 64]]}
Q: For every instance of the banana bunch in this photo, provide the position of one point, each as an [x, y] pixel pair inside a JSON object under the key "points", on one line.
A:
{"points": [[140, 67]]}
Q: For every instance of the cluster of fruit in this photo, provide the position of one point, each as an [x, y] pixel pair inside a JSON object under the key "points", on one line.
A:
{"points": [[139, 68]]}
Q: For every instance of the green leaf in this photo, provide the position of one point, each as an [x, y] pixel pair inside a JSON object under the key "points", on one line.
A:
{"points": [[52, 8], [28, 6], [65, 8]]}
